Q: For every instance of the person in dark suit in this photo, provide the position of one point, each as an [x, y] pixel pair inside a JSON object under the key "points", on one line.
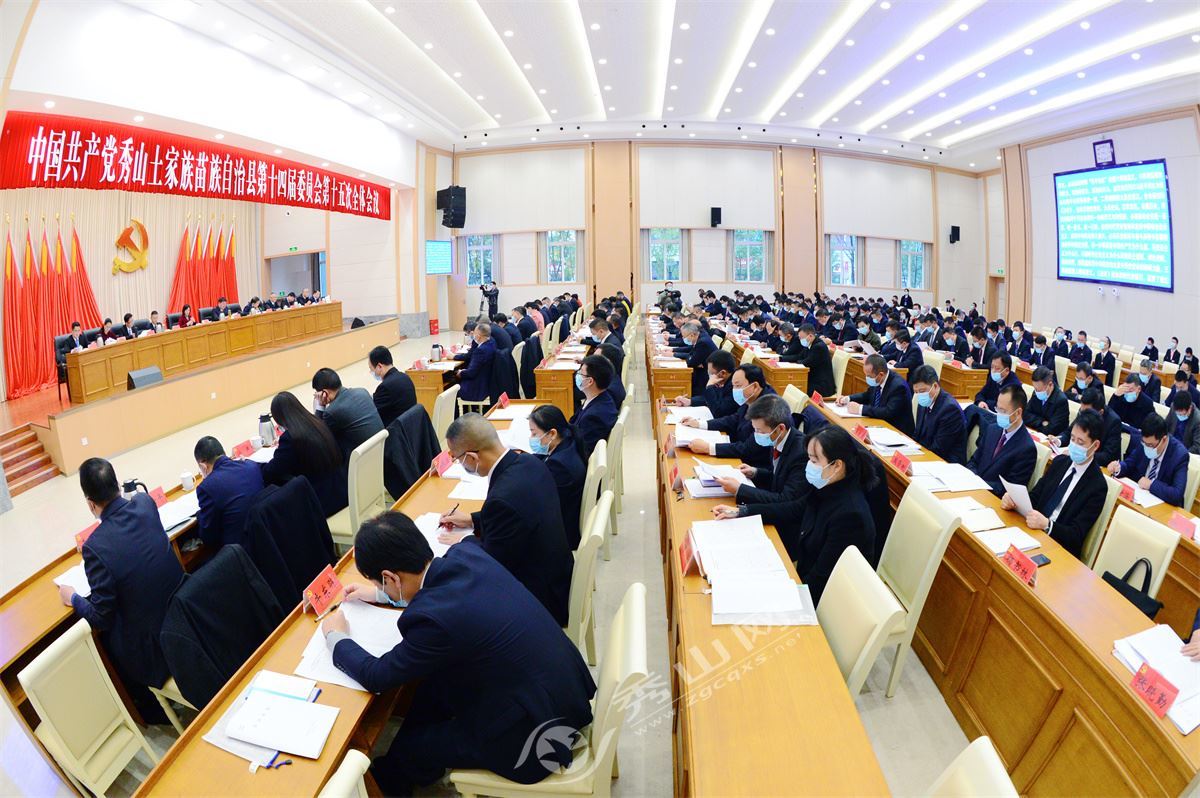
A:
{"points": [[843, 330], [1182, 382], [1151, 384], [525, 325], [126, 330], [830, 515], [701, 346], [348, 412], [982, 350], [492, 670], [1059, 346], [501, 320], [790, 349], [75, 342], [906, 300], [1085, 378], [1041, 354], [224, 311], [1001, 377], [749, 383], [474, 379], [717, 395], [908, 355], [1183, 423], [395, 392], [1107, 362], [1158, 465], [225, 494], [499, 334], [887, 397], [1005, 450], [108, 333], [1131, 403], [1193, 362], [306, 449], [612, 353], [1047, 411], [132, 573], [596, 417], [491, 293], [552, 439], [818, 360], [783, 480], [1150, 351], [1068, 498], [603, 335], [953, 344], [1110, 439], [940, 426], [1172, 354], [1080, 351], [521, 523]]}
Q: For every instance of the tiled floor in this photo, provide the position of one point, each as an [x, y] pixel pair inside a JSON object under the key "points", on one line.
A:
{"points": [[914, 734]]}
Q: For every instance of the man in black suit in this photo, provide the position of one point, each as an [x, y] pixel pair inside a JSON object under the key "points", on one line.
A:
{"points": [[1151, 384], [1183, 423], [1080, 352], [749, 384], [348, 412], [908, 355], [1150, 351], [1110, 437], [1068, 498], [1182, 383], [224, 311], [952, 344], [1131, 403], [1059, 346], [1047, 411], [790, 349], [940, 426], [510, 329], [602, 334], [132, 573], [596, 417], [499, 334], [1041, 354], [906, 300], [1005, 449], [700, 346], [982, 350], [155, 325], [395, 392], [521, 523], [1085, 378], [717, 395], [887, 396], [771, 418], [525, 325], [225, 494], [818, 360], [1001, 376], [77, 341]]}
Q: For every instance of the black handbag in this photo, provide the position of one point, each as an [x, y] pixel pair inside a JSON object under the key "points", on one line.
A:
{"points": [[1138, 598]]}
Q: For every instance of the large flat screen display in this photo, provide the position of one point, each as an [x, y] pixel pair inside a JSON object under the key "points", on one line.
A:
{"points": [[438, 259], [1114, 225]]}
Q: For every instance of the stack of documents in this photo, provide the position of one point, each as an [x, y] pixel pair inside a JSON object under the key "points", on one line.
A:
{"points": [[709, 473], [685, 435], [268, 683], [887, 441], [842, 410], [1159, 646], [372, 627], [76, 579], [512, 413], [998, 540], [951, 477], [263, 454], [1143, 497], [974, 516], [183, 509], [669, 363], [678, 414]]}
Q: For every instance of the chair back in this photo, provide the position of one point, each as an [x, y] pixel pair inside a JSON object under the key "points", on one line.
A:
{"points": [[347, 781], [797, 399], [443, 412], [840, 360], [583, 575], [1108, 393], [1160, 408], [727, 344], [1072, 412], [934, 359], [1094, 536], [1132, 536], [623, 666], [1193, 482], [973, 440], [857, 611], [1042, 455], [1028, 391], [597, 467], [173, 320], [1168, 369], [368, 496], [915, 545], [1060, 370], [747, 356], [978, 770], [84, 723], [516, 356]]}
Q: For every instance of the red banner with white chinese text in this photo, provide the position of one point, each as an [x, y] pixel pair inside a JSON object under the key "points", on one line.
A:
{"points": [[48, 151]]}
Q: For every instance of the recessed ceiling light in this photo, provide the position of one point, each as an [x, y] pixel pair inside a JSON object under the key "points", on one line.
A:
{"points": [[1028, 51], [428, 45], [1196, 37], [799, 95], [49, 103], [612, 108], [483, 144], [684, 26], [1085, 24], [963, 26], [991, 108], [783, 113], [885, 5], [691, 135], [998, 158], [391, 185], [794, 140], [841, 144], [639, 135], [958, 121], [744, 135], [752, 64], [411, 125], [533, 138], [885, 152], [252, 43], [595, 26], [362, 174], [942, 94], [478, 96], [278, 151], [602, 61], [928, 133], [587, 135], [541, 91], [311, 73], [910, 111], [389, 10], [920, 56], [769, 31], [738, 90], [1136, 56], [286, 57], [554, 110], [858, 102], [497, 115], [508, 34], [834, 119], [926, 157], [337, 84], [820, 71], [138, 118], [607, 87], [392, 117], [1081, 75], [1032, 92], [728, 110], [883, 127], [970, 164], [981, 74], [849, 42], [526, 66], [377, 107], [678, 60], [674, 87], [218, 135], [218, 25], [458, 74], [886, 82]]}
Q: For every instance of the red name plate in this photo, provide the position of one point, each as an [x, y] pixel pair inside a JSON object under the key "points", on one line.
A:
{"points": [[817, 399], [1126, 492], [82, 535], [956, 363], [322, 591], [159, 496], [773, 362], [902, 463], [442, 462], [418, 365], [503, 400], [861, 433], [243, 449], [688, 564], [1151, 687], [1020, 564], [676, 482], [1182, 524]]}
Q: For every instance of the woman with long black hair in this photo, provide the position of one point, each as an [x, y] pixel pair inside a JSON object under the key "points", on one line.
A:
{"points": [[306, 448], [553, 440]]}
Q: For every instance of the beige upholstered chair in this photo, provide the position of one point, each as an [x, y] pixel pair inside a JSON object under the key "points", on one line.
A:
{"points": [[368, 496], [597, 468], [347, 781], [443, 412], [1132, 536], [581, 623], [857, 611], [1094, 536], [977, 771]]}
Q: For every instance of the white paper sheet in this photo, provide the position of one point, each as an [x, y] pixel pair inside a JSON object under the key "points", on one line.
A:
{"points": [[77, 579], [182, 509], [716, 532], [1185, 712], [998, 540], [669, 363], [1160, 646], [697, 491], [763, 599], [516, 436], [842, 410], [955, 477], [712, 471], [677, 414], [685, 435], [282, 723], [372, 627], [1143, 497], [745, 559], [1020, 496], [512, 412], [263, 454], [981, 520], [883, 436], [428, 524], [470, 489], [263, 680], [963, 504], [563, 364]]}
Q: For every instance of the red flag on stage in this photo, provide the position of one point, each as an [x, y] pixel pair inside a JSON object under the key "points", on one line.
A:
{"points": [[229, 287], [42, 349], [179, 282], [12, 321], [217, 276], [60, 306], [83, 302], [204, 273]]}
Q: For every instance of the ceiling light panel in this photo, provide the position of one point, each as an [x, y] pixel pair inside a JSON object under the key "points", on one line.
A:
{"points": [[630, 37], [712, 28], [735, 51], [996, 31]]}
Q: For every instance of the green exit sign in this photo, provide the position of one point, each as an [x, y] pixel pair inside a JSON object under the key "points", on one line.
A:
{"points": [[293, 249]]}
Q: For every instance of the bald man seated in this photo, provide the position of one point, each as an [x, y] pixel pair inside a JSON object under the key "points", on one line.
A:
{"points": [[520, 524]]}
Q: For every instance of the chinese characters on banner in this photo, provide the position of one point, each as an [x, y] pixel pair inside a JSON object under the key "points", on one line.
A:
{"points": [[39, 150]]}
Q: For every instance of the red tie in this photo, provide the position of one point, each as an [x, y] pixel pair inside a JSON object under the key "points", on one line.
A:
{"points": [[999, 446], [774, 454]]}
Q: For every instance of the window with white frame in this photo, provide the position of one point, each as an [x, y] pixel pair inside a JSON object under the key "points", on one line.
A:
{"points": [[913, 259], [845, 259], [481, 258], [665, 253], [563, 256], [750, 255]]}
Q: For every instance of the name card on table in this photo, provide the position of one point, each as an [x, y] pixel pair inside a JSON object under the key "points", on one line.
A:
{"points": [[159, 496], [669, 445], [956, 363], [1183, 525], [243, 449], [773, 362], [861, 433], [1151, 687], [688, 561], [503, 400], [1127, 492], [1021, 565], [322, 591], [418, 365], [676, 482], [817, 399], [442, 462], [902, 463], [82, 535]]}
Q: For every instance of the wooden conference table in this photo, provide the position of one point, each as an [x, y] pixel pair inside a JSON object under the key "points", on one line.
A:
{"points": [[1033, 669], [96, 373], [758, 711]]}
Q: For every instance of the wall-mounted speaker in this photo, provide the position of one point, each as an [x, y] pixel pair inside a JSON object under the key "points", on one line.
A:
{"points": [[452, 202], [714, 215], [954, 234]]}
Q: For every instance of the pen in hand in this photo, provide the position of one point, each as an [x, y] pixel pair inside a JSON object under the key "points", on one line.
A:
{"points": [[446, 524]]}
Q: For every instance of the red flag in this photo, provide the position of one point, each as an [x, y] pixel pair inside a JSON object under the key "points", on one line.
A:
{"points": [[42, 349], [83, 301], [229, 269], [192, 284], [204, 273], [216, 284], [12, 321], [59, 286], [179, 282]]}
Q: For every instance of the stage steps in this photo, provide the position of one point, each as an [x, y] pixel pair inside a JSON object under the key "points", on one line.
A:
{"points": [[26, 463]]}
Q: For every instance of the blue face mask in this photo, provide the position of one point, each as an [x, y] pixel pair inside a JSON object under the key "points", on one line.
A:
{"points": [[871, 381], [1150, 451], [579, 381], [887, 336], [815, 475], [924, 399], [996, 376], [837, 325], [1076, 452], [804, 342], [1003, 420], [537, 446], [1080, 383], [763, 439], [1131, 397], [739, 396], [1042, 395], [949, 341], [1145, 378], [1058, 336], [1182, 418], [1039, 351], [863, 329]]}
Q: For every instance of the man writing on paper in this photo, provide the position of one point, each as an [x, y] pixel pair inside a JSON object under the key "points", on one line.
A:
{"points": [[1158, 465], [887, 396], [1068, 498], [718, 393], [748, 384], [771, 418], [496, 668], [225, 494]]}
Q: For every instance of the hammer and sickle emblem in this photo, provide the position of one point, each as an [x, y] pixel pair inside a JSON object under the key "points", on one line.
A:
{"points": [[140, 252]]}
